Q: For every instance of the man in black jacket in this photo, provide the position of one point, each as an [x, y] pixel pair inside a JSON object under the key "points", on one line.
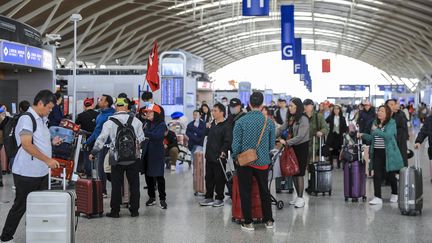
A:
{"points": [[218, 144], [401, 128], [235, 107], [281, 113], [426, 132], [87, 121], [366, 118]]}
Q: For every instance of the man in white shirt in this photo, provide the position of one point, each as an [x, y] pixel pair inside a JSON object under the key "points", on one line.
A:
{"points": [[30, 167], [118, 168]]}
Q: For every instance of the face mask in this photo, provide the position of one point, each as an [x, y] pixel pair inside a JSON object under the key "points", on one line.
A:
{"points": [[233, 110], [146, 103]]}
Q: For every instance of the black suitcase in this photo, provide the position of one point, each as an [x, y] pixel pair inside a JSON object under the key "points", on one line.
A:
{"points": [[320, 174]]}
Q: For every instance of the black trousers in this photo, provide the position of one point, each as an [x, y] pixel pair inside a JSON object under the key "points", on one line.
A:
{"points": [[24, 185], [380, 173], [117, 181], [151, 187], [215, 180], [245, 174]]}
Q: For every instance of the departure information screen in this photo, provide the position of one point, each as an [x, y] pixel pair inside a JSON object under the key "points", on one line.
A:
{"points": [[172, 91]]}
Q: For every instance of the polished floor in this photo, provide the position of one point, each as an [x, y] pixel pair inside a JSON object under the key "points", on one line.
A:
{"points": [[324, 219]]}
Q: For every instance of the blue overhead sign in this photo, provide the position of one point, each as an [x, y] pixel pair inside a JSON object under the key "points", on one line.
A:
{"points": [[13, 53], [256, 7], [287, 26], [25, 55], [343, 87], [392, 88], [34, 57], [297, 55]]}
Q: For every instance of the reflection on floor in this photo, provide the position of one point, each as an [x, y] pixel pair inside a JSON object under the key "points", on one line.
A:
{"points": [[324, 219]]}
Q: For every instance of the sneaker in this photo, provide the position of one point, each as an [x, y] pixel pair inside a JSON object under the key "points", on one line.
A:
{"points": [[104, 195], [113, 215], [207, 202], [151, 202], [293, 202], [376, 201], [218, 203], [269, 225], [134, 214], [394, 198], [249, 227], [300, 203], [173, 168], [163, 204]]}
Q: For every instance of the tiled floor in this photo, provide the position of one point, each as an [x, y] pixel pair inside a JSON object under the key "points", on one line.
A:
{"points": [[324, 219]]}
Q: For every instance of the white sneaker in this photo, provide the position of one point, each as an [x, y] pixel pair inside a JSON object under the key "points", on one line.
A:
{"points": [[300, 203], [293, 202], [376, 201], [394, 198], [173, 168]]}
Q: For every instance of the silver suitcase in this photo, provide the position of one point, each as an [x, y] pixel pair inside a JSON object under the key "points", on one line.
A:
{"points": [[50, 215], [411, 189]]}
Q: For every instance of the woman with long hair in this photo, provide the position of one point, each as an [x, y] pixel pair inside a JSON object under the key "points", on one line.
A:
{"points": [[385, 157], [205, 113], [338, 127], [297, 125]]}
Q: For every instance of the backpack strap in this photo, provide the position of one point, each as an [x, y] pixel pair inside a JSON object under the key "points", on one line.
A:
{"points": [[130, 120], [33, 119], [116, 121]]}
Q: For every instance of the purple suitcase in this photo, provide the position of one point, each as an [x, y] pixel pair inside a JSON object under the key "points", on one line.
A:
{"points": [[355, 178]]}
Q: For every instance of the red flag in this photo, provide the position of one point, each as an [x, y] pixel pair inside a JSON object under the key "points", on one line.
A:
{"points": [[326, 65], [152, 75]]}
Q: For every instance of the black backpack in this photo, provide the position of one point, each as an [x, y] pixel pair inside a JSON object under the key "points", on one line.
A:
{"points": [[125, 142], [9, 141]]}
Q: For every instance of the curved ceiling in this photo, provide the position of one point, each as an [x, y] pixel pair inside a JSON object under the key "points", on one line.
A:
{"points": [[393, 35]]}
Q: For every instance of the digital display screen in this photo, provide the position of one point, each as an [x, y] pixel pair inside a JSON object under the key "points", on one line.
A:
{"points": [[172, 91]]}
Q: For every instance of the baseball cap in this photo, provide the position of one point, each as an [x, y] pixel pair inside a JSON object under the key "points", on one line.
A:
{"points": [[308, 102], [121, 102], [234, 102], [88, 102], [154, 108]]}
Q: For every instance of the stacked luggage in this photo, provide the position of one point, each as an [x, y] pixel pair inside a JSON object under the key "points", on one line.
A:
{"points": [[67, 153], [411, 189], [320, 174], [354, 170]]}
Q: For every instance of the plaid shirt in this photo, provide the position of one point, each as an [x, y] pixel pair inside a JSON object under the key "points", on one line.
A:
{"points": [[246, 134]]}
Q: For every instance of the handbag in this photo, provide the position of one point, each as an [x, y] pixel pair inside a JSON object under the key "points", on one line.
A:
{"points": [[288, 163], [249, 156]]}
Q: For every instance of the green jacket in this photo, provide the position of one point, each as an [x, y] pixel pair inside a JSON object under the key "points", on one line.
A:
{"points": [[394, 160], [316, 123]]}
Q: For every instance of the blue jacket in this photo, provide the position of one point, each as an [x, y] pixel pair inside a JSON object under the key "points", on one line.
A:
{"points": [[100, 120], [55, 116], [196, 134], [246, 134]]}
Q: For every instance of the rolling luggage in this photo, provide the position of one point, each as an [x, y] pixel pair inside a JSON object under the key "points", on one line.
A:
{"points": [[50, 215], [89, 195], [411, 189], [355, 176], [237, 214], [199, 173], [320, 175]]}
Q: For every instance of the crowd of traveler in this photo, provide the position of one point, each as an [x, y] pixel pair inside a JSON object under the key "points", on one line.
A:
{"points": [[230, 128]]}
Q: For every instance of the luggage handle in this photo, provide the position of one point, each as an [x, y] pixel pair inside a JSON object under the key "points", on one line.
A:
{"points": [[64, 178], [320, 148], [359, 143], [224, 171], [416, 159]]}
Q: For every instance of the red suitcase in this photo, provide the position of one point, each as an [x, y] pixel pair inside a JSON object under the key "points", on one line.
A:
{"points": [[237, 214], [89, 197]]}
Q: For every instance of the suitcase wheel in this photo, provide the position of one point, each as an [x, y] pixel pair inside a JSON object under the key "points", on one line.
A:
{"points": [[324, 194], [355, 199], [88, 216], [330, 193], [364, 198], [101, 215], [346, 199], [280, 204], [290, 191]]}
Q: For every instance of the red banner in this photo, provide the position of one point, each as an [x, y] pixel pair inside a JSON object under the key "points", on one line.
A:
{"points": [[326, 65]]}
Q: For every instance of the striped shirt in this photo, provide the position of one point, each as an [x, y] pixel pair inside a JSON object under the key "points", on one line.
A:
{"points": [[379, 142]]}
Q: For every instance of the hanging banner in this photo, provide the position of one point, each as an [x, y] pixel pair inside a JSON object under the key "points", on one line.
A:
{"points": [[297, 55], [325, 65], [287, 26], [256, 7], [303, 67]]}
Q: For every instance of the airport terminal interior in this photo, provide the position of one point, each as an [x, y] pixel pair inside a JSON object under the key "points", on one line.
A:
{"points": [[133, 98]]}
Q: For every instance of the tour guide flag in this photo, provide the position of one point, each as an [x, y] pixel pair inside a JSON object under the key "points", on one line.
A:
{"points": [[287, 26], [325, 65], [297, 55], [152, 75]]}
